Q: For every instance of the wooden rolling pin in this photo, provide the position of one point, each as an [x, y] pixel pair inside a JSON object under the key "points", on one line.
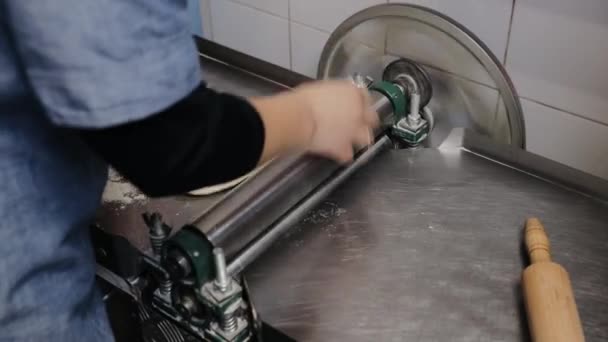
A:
{"points": [[552, 313]]}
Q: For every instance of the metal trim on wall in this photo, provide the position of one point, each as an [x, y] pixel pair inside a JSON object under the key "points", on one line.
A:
{"points": [[249, 64], [451, 28]]}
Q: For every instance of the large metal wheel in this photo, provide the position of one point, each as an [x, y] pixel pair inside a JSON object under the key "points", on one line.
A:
{"points": [[471, 87]]}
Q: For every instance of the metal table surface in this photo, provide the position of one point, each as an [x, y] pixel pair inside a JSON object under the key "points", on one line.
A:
{"points": [[419, 245], [426, 245]]}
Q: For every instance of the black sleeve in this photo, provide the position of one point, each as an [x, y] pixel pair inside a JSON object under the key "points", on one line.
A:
{"points": [[206, 138]]}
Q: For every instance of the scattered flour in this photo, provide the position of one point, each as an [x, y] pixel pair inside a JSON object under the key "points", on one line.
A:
{"points": [[323, 214], [119, 190]]}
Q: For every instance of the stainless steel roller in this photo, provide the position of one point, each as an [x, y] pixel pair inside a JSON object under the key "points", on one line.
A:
{"points": [[256, 204], [264, 241]]}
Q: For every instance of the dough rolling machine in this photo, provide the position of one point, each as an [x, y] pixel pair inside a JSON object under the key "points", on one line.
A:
{"points": [[418, 239]]}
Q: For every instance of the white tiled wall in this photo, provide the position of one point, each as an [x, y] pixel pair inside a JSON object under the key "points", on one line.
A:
{"points": [[251, 31], [326, 15], [556, 52], [569, 139], [306, 46], [277, 7]]}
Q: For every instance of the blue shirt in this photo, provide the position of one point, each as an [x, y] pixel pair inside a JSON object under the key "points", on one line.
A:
{"points": [[82, 64]]}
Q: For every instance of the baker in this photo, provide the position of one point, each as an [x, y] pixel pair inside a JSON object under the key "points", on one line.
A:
{"points": [[87, 83]]}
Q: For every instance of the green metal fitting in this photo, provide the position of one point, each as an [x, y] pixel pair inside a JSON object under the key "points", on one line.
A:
{"points": [[409, 136], [395, 95], [199, 251], [218, 300]]}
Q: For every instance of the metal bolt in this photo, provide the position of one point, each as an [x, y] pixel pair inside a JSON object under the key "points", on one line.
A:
{"points": [[413, 120], [222, 281], [229, 322], [415, 107], [187, 306], [158, 232], [165, 286]]}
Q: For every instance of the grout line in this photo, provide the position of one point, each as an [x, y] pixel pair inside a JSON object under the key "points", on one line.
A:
{"points": [[310, 27], [456, 76], [289, 34], [259, 9], [281, 17], [504, 61], [580, 116], [318, 30]]}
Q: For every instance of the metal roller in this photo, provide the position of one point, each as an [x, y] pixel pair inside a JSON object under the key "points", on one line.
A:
{"points": [[246, 221], [209, 254], [241, 219], [252, 207], [259, 245]]}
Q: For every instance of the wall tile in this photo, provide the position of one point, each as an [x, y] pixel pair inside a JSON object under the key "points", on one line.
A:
{"points": [[327, 15], [570, 140], [251, 31], [487, 19], [278, 7], [306, 46], [559, 53]]}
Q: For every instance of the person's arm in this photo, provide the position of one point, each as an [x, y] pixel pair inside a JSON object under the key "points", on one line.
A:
{"points": [[329, 117], [206, 138], [128, 84], [209, 138]]}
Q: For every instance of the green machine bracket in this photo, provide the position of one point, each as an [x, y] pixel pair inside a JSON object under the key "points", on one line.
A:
{"points": [[411, 137], [197, 252], [395, 95]]}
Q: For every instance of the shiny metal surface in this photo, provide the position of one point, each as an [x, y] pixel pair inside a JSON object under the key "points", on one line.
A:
{"points": [[283, 224], [264, 70], [233, 222], [473, 89], [419, 245], [425, 245]]}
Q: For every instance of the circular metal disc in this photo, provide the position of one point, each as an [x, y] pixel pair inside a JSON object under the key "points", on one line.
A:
{"points": [[406, 66], [470, 87]]}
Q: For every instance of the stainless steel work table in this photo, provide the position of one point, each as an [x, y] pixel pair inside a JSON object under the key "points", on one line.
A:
{"points": [[419, 245], [424, 245]]}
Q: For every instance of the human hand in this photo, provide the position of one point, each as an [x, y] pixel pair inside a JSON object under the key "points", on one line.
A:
{"points": [[341, 115], [327, 118]]}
